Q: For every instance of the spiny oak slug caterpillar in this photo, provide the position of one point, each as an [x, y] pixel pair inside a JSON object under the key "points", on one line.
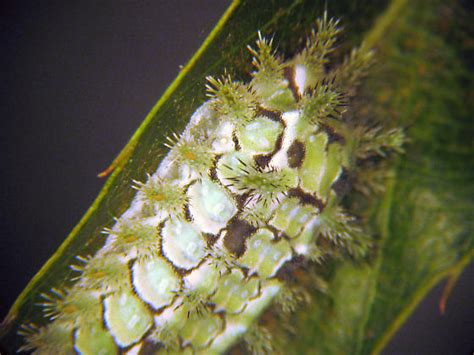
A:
{"points": [[249, 189]]}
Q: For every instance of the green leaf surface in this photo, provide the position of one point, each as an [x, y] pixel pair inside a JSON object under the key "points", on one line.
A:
{"points": [[422, 221]]}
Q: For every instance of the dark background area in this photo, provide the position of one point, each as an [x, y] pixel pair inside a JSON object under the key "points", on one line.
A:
{"points": [[77, 78]]}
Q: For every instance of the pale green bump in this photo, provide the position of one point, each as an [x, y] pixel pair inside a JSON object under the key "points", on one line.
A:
{"points": [[127, 317], [171, 320], [231, 334], [280, 219], [264, 255], [291, 217], [303, 129], [332, 170], [201, 330], [93, 339], [305, 214], [281, 99], [155, 281], [269, 290], [313, 168], [182, 244], [260, 135], [210, 205], [238, 324], [204, 278], [304, 244], [234, 292]]}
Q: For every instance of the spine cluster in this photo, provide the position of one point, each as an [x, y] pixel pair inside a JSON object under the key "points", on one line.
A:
{"points": [[251, 186]]}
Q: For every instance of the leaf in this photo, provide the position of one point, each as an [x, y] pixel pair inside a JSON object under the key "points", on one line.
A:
{"points": [[336, 324]]}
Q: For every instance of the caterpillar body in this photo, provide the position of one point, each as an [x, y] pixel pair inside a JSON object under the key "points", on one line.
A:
{"points": [[251, 187]]}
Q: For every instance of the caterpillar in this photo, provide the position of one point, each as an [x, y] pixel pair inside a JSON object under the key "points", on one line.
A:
{"points": [[249, 191]]}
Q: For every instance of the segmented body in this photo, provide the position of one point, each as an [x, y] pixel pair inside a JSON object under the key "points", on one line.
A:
{"points": [[249, 187]]}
